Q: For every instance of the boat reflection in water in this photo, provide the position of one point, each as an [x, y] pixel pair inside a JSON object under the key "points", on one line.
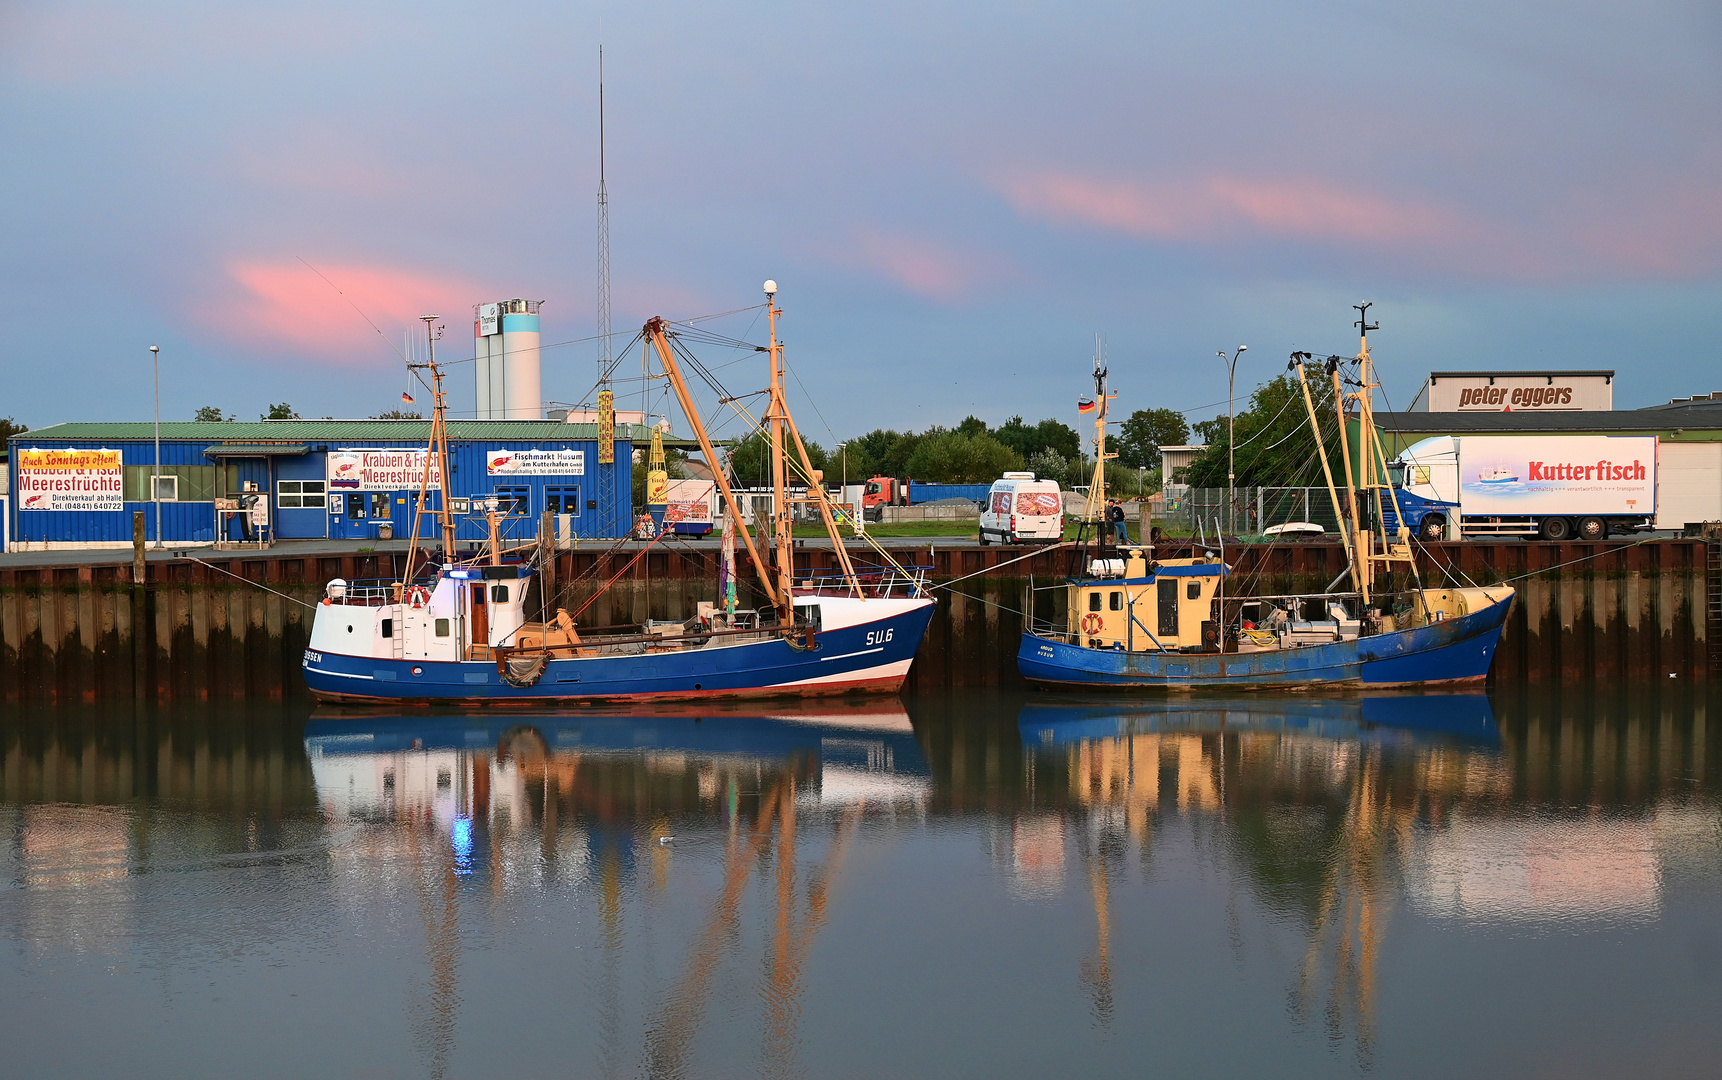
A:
{"points": [[617, 807], [1464, 716]]}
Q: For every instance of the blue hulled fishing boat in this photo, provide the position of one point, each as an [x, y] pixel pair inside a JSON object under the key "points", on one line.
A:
{"points": [[459, 631], [1133, 622]]}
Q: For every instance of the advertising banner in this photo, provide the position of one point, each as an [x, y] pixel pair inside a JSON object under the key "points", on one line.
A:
{"points": [[70, 480], [606, 427], [1038, 503], [380, 470], [689, 501], [535, 462], [1568, 474]]}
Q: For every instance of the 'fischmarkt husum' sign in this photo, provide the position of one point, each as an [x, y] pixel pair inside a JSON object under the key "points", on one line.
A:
{"points": [[535, 462], [70, 480]]}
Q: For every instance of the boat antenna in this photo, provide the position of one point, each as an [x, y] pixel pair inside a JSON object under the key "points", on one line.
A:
{"points": [[604, 355], [436, 453]]}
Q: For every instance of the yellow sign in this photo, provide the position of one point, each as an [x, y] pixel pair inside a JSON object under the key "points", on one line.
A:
{"points": [[606, 427], [69, 480]]}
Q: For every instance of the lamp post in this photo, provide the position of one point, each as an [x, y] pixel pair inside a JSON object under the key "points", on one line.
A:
{"points": [[155, 475], [1231, 423]]}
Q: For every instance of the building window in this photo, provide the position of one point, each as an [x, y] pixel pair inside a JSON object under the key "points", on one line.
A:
{"points": [[166, 488], [301, 494], [562, 500], [182, 483], [515, 501], [380, 505]]}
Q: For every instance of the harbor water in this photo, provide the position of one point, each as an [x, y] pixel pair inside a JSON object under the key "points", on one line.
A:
{"points": [[1522, 882]]}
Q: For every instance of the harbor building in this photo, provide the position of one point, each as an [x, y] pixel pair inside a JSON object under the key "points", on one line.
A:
{"points": [[1515, 391], [77, 485]]}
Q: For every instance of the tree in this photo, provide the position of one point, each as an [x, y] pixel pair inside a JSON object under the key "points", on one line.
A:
{"points": [[1145, 431], [399, 414], [750, 460], [972, 426], [281, 411], [881, 452], [210, 414], [1275, 447], [1028, 440], [10, 427], [950, 457]]}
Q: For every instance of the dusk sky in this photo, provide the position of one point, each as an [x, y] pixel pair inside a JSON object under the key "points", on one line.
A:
{"points": [[954, 199]]}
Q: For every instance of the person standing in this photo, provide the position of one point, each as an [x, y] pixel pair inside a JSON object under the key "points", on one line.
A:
{"points": [[1115, 516]]}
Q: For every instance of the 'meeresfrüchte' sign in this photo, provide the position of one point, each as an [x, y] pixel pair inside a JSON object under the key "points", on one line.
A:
{"points": [[70, 480]]}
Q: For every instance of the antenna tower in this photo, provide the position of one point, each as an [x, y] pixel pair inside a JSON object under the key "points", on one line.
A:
{"points": [[603, 238]]}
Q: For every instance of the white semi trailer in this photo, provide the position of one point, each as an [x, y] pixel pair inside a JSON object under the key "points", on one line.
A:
{"points": [[1557, 487]]}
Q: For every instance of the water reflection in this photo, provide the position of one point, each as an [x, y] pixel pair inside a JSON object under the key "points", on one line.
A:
{"points": [[967, 884]]}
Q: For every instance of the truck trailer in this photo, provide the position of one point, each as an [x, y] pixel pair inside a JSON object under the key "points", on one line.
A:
{"points": [[1556, 487]]}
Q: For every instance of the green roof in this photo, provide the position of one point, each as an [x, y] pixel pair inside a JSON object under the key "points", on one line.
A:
{"points": [[344, 432]]}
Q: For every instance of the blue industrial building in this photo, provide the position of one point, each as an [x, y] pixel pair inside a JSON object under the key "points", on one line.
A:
{"points": [[77, 485]]}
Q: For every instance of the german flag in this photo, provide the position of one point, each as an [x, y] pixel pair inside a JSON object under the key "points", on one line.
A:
{"points": [[1085, 406]]}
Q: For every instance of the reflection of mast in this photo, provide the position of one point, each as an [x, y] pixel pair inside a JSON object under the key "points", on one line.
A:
{"points": [[1098, 975], [442, 944]]}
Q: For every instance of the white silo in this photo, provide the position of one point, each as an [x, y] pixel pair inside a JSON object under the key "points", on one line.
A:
{"points": [[506, 346]]}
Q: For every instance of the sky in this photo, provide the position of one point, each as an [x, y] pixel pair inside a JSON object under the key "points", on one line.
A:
{"points": [[955, 199]]}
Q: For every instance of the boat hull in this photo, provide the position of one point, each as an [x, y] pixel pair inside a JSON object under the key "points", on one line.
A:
{"points": [[1451, 651], [867, 656]]}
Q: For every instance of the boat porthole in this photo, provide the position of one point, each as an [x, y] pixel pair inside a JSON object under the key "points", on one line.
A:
{"points": [[418, 671], [696, 686], [349, 629]]}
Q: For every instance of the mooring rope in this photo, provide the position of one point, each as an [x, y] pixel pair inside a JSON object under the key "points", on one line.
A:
{"points": [[248, 581]]}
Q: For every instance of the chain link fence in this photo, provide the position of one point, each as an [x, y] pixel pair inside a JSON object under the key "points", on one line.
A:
{"points": [[1247, 511]]}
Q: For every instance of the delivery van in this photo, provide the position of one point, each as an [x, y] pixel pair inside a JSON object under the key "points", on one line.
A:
{"points": [[1020, 509]]}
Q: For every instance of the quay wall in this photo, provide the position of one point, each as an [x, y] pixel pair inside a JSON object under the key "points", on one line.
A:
{"points": [[235, 625]]}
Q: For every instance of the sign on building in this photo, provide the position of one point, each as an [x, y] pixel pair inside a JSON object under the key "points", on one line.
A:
{"points": [[381, 470], [1516, 391], [70, 480], [606, 427], [535, 462]]}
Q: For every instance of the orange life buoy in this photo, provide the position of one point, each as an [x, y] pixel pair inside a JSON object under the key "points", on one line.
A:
{"points": [[1091, 623]]}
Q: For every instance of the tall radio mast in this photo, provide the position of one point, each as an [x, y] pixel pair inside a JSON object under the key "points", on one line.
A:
{"points": [[603, 237]]}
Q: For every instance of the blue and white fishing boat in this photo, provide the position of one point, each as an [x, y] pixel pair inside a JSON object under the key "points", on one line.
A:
{"points": [[462, 634], [1132, 622]]}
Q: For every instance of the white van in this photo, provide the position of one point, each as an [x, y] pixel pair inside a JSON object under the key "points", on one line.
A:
{"points": [[1020, 508]]}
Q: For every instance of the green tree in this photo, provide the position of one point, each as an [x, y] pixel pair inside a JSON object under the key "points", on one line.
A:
{"points": [[399, 414], [750, 461], [1030, 439], [1275, 447], [950, 457], [1145, 431], [881, 452], [210, 414], [10, 427], [972, 426], [281, 411]]}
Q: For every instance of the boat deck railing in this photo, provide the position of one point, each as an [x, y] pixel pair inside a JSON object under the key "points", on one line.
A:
{"points": [[367, 592], [875, 581]]}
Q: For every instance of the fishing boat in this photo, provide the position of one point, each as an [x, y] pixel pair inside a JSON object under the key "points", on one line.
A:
{"points": [[1497, 476], [458, 631], [1134, 622]]}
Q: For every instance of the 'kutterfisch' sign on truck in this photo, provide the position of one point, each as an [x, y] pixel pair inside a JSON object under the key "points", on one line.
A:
{"points": [[1556, 486]]}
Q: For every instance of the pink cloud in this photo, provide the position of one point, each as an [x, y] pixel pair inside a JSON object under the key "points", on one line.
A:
{"points": [[286, 304], [1223, 207], [924, 266]]}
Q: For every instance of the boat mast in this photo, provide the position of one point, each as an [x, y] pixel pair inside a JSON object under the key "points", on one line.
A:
{"points": [[1372, 478], [1096, 503], [654, 331], [781, 520], [1298, 359], [436, 455]]}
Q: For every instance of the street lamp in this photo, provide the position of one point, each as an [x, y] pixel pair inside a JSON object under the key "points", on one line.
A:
{"points": [[1231, 422], [155, 476]]}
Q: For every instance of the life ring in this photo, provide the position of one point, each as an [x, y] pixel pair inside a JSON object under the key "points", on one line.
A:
{"points": [[1092, 622], [418, 596]]}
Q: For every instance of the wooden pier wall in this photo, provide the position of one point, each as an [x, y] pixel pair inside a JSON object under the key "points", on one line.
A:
{"points": [[237, 626]]}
